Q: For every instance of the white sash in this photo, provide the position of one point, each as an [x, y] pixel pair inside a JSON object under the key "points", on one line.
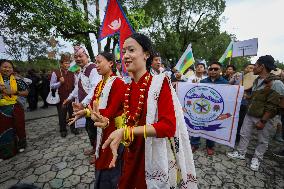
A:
{"points": [[168, 161], [102, 105]]}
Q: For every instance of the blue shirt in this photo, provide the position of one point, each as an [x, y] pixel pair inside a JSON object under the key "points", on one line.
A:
{"points": [[219, 80]]}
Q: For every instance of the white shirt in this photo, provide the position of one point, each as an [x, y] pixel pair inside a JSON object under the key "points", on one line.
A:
{"points": [[89, 84], [195, 79]]}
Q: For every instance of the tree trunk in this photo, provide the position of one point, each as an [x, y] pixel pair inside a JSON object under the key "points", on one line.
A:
{"points": [[88, 43], [107, 47], [98, 17]]}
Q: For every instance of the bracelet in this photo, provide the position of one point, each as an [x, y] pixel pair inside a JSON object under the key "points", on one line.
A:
{"points": [[88, 112], [132, 134], [145, 134]]}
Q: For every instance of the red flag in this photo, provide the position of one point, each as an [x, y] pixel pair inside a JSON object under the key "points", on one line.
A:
{"points": [[114, 22]]}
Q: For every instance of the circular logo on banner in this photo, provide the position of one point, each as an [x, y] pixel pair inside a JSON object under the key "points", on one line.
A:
{"points": [[203, 104]]}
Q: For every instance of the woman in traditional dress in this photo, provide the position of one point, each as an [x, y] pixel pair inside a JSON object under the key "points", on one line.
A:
{"points": [[108, 102], [12, 118], [158, 153]]}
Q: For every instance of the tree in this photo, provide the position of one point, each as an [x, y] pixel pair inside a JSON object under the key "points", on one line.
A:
{"points": [[70, 19], [176, 23]]}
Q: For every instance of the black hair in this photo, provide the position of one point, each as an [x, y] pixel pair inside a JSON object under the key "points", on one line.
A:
{"points": [[268, 62], [200, 64], [146, 45], [110, 57], [2, 61], [215, 62], [156, 54], [250, 64], [231, 66]]}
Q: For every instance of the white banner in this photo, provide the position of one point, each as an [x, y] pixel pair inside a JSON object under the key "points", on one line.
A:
{"points": [[245, 48], [211, 110]]}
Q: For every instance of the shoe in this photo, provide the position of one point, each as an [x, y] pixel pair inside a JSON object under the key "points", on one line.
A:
{"points": [[254, 164], [279, 154], [210, 151], [89, 152], [63, 134], [236, 155], [194, 148], [21, 150]]}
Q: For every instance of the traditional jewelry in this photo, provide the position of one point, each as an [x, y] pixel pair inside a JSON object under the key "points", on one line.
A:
{"points": [[145, 133], [128, 120]]}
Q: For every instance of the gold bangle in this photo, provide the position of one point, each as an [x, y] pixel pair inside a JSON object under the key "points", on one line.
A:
{"points": [[132, 134], [145, 134], [88, 112]]}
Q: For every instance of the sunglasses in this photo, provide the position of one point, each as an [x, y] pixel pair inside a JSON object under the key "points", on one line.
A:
{"points": [[213, 69]]}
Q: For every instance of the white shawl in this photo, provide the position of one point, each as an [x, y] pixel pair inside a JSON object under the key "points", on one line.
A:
{"points": [[168, 161], [102, 105]]}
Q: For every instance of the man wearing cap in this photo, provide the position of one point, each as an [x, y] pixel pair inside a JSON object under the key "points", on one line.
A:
{"points": [[156, 64], [88, 78], [262, 108], [63, 80]]}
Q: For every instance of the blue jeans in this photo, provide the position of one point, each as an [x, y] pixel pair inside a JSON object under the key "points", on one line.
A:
{"points": [[195, 141]]}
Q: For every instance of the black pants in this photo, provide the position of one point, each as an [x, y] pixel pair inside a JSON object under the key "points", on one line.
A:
{"points": [[92, 131], [242, 114], [44, 95], [32, 101], [62, 115], [108, 178]]}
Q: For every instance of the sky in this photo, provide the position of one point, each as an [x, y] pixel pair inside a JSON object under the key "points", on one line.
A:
{"points": [[262, 19]]}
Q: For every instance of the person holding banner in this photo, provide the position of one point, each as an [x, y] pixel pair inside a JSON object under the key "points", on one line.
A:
{"points": [[199, 74], [158, 153], [262, 108], [214, 77]]}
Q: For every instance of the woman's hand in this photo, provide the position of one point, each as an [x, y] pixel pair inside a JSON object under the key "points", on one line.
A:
{"points": [[99, 120], [77, 115], [77, 106], [113, 142]]}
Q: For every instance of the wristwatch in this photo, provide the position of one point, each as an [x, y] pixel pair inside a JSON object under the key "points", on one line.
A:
{"points": [[263, 121]]}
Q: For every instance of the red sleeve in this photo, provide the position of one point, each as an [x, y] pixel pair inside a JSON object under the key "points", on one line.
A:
{"points": [[94, 97], [166, 124], [115, 100]]}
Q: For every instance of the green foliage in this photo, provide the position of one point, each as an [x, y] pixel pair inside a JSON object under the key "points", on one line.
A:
{"points": [[171, 24], [279, 64], [176, 23], [38, 64], [41, 18]]}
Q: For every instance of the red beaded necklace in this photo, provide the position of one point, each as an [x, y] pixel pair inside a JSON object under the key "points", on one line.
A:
{"points": [[137, 115]]}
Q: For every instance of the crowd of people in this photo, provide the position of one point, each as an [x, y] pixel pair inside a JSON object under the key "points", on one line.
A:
{"points": [[136, 127]]}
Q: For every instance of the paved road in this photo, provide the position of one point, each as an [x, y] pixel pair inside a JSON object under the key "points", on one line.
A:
{"points": [[53, 162]]}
